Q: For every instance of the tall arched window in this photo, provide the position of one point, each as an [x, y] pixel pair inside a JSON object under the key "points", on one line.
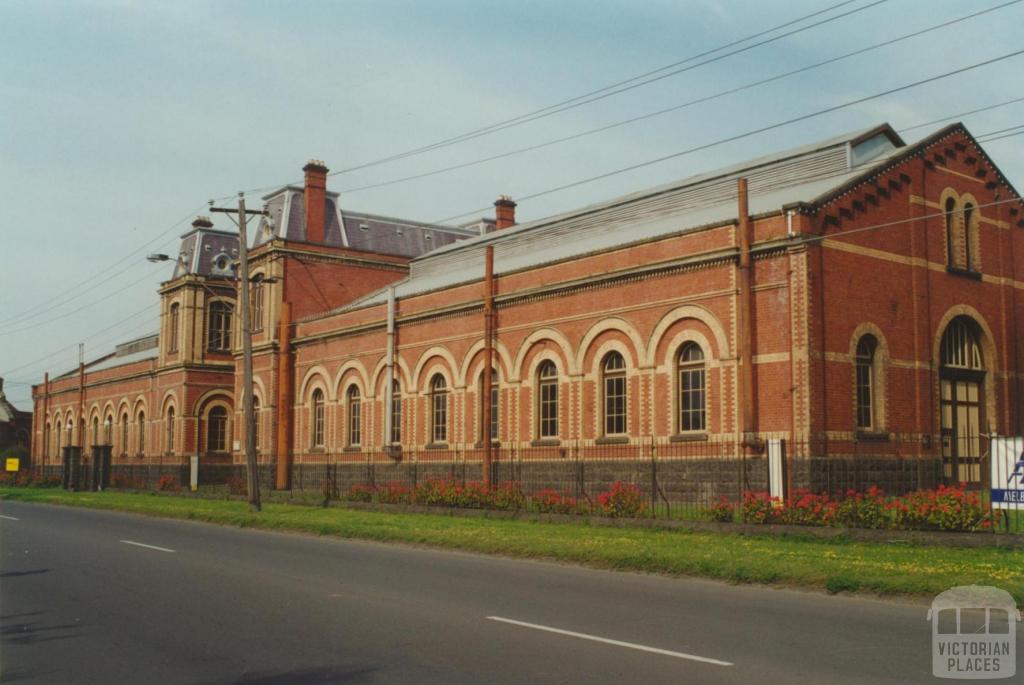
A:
{"points": [[256, 303], [108, 431], [142, 432], [256, 421], [961, 400], [219, 329], [71, 432], [547, 400], [124, 433], [614, 384], [438, 409], [169, 439], [352, 400], [217, 430], [952, 244], [95, 430], [58, 430], [172, 325], [969, 256], [396, 412], [866, 383], [692, 390], [317, 419], [494, 405]]}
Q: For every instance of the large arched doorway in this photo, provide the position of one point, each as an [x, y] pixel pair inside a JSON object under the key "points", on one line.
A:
{"points": [[961, 400]]}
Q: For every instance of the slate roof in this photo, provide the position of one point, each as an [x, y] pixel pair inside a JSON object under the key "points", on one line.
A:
{"points": [[206, 251], [355, 230], [128, 352], [796, 175]]}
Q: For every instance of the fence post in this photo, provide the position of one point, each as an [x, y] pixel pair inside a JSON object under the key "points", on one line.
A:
{"points": [[654, 477]]}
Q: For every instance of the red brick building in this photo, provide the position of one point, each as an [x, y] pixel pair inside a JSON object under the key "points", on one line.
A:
{"points": [[856, 297]]}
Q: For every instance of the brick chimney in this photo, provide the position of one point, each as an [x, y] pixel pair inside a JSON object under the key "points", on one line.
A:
{"points": [[504, 212], [316, 190]]}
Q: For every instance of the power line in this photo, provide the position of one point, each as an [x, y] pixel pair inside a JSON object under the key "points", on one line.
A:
{"points": [[28, 315], [690, 103], [609, 90], [1008, 135], [747, 134], [963, 114]]}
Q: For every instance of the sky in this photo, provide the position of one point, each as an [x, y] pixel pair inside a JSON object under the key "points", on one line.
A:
{"points": [[119, 119]]}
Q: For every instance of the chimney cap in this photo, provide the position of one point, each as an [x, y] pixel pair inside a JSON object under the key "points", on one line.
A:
{"points": [[315, 165], [504, 201], [202, 222]]}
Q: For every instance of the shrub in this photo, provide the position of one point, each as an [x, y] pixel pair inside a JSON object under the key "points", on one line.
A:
{"points": [[550, 501], [805, 508], [360, 493], [758, 507], [947, 508], [395, 493], [168, 483], [722, 511], [508, 496], [623, 500], [863, 510]]}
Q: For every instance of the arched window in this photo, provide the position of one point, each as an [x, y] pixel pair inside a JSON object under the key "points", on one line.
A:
{"points": [[108, 431], [354, 416], [124, 433], [614, 383], [547, 400], [142, 433], [438, 409], [219, 329], [866, 383], [256, 421], [71, 432], [961, 400], [396, 412], [95, 430], [952, 244], [692, 391], [172, 325], [169, 439], [256, 303], [494, 405], [217, 430], [969, 257], [58, 429], [317, 419]]}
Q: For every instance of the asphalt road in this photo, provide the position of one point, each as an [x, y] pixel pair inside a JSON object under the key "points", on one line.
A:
{"points": [[83, 601]]}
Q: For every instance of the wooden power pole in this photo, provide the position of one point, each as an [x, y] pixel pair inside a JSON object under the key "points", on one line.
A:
{"points": [[249, 418]]}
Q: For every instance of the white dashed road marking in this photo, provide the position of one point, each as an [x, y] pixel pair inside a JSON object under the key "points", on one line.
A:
{"points": [[139, 544], [607, 641]]}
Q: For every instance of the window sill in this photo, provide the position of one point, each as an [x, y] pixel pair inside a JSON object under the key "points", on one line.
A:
{"points": [[437, 446], [872, 436], [966, 273], [612, 440], [317, 450], [480, 444], [689, 437], [353, 448], [546, 442], [169, 454]]}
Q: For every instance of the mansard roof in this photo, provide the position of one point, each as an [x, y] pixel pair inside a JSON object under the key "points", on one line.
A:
{"points": [[351, 229]]}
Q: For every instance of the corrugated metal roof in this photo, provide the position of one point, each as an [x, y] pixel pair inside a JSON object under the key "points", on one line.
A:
{"points": [[795, 175]]}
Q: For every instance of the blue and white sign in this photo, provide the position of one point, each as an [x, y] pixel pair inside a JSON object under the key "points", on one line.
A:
{"points": [[1007, 473]]}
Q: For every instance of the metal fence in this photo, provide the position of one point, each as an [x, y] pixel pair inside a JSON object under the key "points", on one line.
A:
{"points": [[684, 479]]}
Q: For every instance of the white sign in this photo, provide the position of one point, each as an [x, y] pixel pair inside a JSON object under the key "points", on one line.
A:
{"points": [[1008, 473]]}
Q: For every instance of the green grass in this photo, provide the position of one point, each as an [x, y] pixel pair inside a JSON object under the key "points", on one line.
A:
{"points": [[834, 566]]}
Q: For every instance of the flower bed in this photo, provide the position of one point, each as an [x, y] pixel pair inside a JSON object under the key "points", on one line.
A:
{"points": [[945, 508]]}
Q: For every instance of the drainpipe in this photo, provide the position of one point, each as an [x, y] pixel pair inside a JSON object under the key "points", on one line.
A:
{"points": [[390, 375], [284, 406], [746, 376], [46, 410], [485, 400]]}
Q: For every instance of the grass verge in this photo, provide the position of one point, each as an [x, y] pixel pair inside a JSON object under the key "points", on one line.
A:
{"points": [[835, 566]]}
